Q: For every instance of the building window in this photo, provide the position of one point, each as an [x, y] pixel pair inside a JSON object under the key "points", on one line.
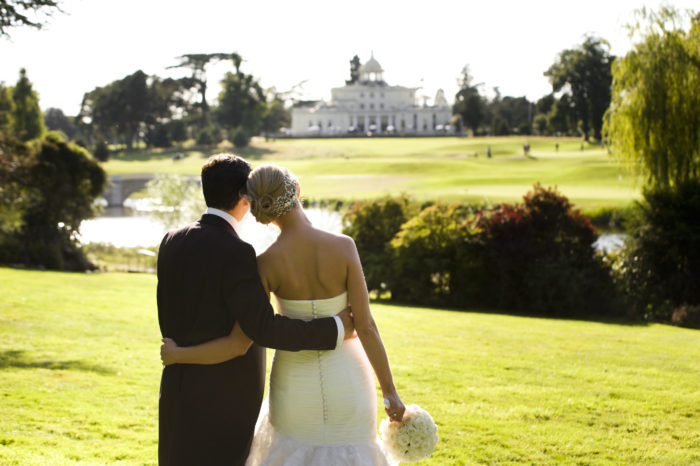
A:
{"points": [[371, 106], [371, 95], [362, 106], [381, 105], [362, 94]]}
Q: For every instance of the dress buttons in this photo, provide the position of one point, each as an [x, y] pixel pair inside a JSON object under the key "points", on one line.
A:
{"points": [[319, 354]]}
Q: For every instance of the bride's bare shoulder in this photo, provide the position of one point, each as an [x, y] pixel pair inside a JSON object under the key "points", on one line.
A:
{"points": [[340, 242]]}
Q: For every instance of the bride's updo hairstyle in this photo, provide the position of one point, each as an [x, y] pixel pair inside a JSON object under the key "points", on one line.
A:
{"points": [[272, 192]]}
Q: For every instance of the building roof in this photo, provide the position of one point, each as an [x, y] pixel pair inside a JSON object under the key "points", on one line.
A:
{"points": [[372, 66]]}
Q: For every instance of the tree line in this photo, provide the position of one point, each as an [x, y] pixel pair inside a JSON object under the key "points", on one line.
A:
{"points": [[160, 112], [580, 77]]}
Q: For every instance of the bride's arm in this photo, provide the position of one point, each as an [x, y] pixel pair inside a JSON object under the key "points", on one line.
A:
{"points": [[368, 332], [212, 352]]}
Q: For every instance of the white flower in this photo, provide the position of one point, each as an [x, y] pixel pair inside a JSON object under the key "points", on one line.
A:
{"points": [[412, 440]]}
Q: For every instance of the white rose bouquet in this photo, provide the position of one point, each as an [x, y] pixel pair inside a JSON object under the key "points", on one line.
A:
{"points": [[412, 440]]}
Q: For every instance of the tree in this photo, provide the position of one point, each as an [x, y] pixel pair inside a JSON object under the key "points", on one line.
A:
{"points": [[198, 63], [241, 102], [584, 73], [561, 118], [180, 199], [6, 107], [354, 70], [15, 192], [17, 13], [469, 103], [63, 182], [124, 108], [276, 116], [54, 119], [653, 122], [510, 115], [27, 119]]}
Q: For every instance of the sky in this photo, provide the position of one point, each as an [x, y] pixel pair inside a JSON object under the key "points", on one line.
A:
{"points": [[508, 44]]}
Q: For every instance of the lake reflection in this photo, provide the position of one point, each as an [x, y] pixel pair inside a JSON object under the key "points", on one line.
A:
{"points": [[130, 227]]}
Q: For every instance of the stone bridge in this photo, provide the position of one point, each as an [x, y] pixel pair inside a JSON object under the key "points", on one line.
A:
{"points": [[120, 187]]}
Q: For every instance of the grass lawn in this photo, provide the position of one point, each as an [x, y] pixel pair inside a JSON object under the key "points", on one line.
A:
{"points": [[79, 376], [425, 168]]}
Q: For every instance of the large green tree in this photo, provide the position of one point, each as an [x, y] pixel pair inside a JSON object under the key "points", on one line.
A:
{"points": [[584, 73], [27, 121], [654, 118]]}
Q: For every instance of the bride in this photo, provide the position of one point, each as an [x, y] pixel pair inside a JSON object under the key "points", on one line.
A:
{"points": [[322, 404]]}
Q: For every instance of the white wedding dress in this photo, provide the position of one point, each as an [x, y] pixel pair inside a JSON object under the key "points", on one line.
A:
{"points": [[322, 405]]}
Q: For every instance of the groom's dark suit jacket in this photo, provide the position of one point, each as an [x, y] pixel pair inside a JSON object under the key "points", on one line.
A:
{"points": [[207, 281]]}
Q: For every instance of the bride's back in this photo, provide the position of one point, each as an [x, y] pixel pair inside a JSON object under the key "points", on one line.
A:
{"points": [[306, 263]]}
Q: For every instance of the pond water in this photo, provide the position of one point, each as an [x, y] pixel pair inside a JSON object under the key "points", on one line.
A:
{"points": [[133, 226]]}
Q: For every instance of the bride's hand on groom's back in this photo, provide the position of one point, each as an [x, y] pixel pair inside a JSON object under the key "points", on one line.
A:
{"points": [[348, 323], [167, 351]]}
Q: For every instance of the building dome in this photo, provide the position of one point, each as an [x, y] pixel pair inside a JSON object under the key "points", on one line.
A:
{"points": [[372, 66], [371, 71]]}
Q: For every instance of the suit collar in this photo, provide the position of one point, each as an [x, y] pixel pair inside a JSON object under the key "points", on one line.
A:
{"points": [[226, 216], [211, 219]]}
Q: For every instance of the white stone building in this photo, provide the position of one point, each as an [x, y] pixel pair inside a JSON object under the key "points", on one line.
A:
{"points": [[370, 106]]}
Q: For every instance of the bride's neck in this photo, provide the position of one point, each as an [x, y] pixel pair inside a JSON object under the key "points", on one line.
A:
{"points": [[293, 220]]}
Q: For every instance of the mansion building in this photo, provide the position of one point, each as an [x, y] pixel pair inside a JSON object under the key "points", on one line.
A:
{"points": [[370, 106]]}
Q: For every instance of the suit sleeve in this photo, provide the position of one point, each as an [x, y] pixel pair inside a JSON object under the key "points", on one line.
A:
{"points": [[249, 305]]}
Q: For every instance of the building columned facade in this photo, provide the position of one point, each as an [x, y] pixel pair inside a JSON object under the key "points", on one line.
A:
{"points": [[370, 106]]}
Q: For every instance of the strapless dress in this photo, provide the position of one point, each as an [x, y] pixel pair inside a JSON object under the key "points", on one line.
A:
{"points": [[322, 405]]}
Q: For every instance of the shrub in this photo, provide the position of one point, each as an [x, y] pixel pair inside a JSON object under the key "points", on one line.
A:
{"points": [[433, 260], [208, 136], [101, 151], [158, 135], [659, 271], [240, 137], [178, 131], [372, 224], [539, 257]]}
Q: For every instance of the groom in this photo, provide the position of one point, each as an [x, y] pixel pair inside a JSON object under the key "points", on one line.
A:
{"points": [[207, 281]]}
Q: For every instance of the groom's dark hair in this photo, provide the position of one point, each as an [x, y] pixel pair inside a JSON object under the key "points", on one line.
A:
{"points": [[224, 177]]}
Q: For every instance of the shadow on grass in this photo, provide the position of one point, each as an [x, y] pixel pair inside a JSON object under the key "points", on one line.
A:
{"points": [[601, 319], [18, 359]]}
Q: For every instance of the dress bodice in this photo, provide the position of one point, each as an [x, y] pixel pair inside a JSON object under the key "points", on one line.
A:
{"points": [[309, 309]]}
